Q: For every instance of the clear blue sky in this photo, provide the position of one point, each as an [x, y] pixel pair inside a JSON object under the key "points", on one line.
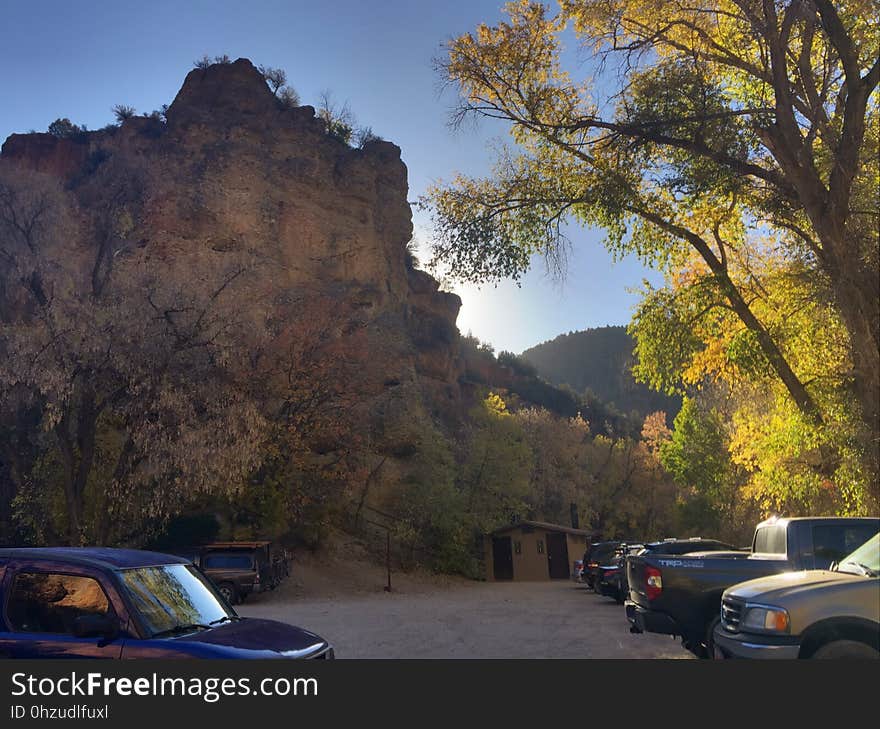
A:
{"points": [[76, 60]]}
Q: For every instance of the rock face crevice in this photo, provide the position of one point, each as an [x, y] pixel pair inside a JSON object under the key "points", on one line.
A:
{"points": [[233, 171]]}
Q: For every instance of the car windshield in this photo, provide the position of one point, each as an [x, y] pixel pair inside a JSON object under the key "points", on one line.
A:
{"points": [[865, 560], [172, 598]]}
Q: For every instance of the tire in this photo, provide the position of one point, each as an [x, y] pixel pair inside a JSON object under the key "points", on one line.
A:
{"points": [[695, 647], [710, 638], [228, 591], [846, 649]]}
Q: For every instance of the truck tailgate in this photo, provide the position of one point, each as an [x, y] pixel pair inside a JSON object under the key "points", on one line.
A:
{"points": [[689, 581]]}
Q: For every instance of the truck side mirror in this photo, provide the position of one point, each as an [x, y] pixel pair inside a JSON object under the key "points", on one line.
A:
{"points": [[94, 625]]}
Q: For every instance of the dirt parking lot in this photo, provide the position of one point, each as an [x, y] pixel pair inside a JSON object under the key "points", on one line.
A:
{"points": [[460, 619]]}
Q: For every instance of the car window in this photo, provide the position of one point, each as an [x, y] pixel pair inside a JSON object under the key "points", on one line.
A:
{"points": [[171, 595], [604, 554], [833, 542], [228, 561], [49, 603], [770, 540]]}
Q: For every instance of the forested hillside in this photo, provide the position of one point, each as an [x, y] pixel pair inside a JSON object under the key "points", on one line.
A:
{"points": [[599, 361]]}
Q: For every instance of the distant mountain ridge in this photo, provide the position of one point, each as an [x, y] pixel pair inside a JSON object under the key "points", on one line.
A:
{"points": [[599, 361]]}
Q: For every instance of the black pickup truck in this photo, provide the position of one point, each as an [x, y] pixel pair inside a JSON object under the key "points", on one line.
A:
{"points": [[680, 595]]}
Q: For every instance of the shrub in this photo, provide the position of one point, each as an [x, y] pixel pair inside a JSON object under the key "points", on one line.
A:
{"points": [[275, 77], [364, 135], [277, 80], [206, 61], [412, 259], [64, 129], [288, 97], [338, 120], [123, 112]]}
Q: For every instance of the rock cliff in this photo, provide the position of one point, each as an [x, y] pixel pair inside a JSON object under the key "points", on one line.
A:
{"points": [[231, 170]]}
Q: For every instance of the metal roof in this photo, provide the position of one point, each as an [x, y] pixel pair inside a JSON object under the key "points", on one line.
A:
{"points": [[542, 525]]}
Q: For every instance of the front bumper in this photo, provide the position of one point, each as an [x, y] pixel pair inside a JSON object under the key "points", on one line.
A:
{"points": [[644, 620], [324, 652], [750, 645]]}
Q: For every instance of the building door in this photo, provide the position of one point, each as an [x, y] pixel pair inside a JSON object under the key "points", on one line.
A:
{"points": [[557, 556], [502, 558]]}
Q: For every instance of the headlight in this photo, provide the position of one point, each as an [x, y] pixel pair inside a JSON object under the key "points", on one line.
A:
{"points": [[765, 620]]}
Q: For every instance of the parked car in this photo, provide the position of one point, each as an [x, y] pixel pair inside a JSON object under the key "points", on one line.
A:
{"points": [[611, 578], [239, 569], [597, 554], [681, 595], [833, 613], [88, 602]]}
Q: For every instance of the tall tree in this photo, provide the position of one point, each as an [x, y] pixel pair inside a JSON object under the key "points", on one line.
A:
{"points": [[123, 369], [722, 120], [128, 386]]}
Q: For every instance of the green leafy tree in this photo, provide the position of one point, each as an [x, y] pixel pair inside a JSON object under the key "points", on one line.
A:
{"points": [[688, 340], [558, 477], [494, 475], [697, 457], [64, 128], [432, 523], [735, 117]]}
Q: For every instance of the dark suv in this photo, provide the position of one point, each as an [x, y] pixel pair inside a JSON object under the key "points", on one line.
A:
{"points": [[239, 568], [611, 576], [597, 555]]}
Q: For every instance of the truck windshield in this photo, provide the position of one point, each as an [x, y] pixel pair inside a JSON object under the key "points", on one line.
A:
{"points": [[865, 560], [172, 597]]}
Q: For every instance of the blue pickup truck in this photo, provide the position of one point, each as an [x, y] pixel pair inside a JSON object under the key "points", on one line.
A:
{"points": [[85, 602]]}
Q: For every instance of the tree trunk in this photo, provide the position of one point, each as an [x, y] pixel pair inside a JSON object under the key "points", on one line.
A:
{"points": [[77, 462], [771, 351], [857, 294], [858, 298]]}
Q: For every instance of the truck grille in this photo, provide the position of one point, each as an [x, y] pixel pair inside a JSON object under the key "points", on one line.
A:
{"points": [[731, 613]]}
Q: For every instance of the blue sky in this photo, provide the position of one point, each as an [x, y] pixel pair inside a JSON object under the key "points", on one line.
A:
{"points": [[76, 60]]}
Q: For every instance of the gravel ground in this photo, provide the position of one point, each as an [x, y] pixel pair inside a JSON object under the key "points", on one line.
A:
{"points": [[461, 619]]}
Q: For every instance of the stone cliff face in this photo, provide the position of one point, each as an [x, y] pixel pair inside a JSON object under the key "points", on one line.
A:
{"points": [[231, 171]]}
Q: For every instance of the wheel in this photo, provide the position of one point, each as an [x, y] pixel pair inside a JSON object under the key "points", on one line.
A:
{"points": [[846, 649], [227, 590], [710, 636]]}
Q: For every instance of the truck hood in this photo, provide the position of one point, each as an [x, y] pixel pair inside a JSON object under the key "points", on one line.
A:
{"points": [[260, 639], [778, 587]]}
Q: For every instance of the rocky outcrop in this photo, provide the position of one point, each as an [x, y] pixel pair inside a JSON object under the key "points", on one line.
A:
{"points": [[47, 153], [232, 171]]}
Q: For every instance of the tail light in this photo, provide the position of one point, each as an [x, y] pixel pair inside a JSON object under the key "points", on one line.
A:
{"points": [[653, 582], [257, 579], [593, 565]]}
